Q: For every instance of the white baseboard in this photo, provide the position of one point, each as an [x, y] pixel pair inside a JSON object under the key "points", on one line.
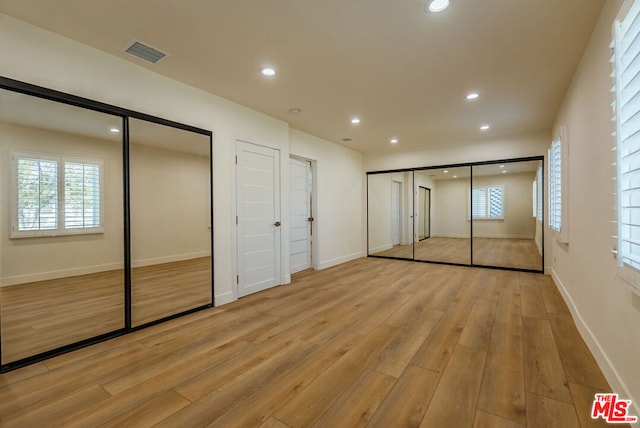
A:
{"points": [[339, 260], [608, 369], [475, 235], [378, 249], [169, 259], [450, 235], [224, 298], [287, 279], [86, 270], [55, 274]]}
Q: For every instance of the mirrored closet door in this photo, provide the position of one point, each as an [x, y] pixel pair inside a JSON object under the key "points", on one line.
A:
{"points": [[487, 214], [61, 240], [170, 221], [105, 222], [390, 209], [506, 211], [443, 232]]}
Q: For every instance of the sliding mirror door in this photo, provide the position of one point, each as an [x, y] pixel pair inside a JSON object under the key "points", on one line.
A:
{"points": [[507, 215], [390, 214], [170, 221], [442, 227], [62, 234]]}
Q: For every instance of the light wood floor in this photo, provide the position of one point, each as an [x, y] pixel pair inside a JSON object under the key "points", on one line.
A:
{"points": [[515, 253], [373, 342], [40, 316]]}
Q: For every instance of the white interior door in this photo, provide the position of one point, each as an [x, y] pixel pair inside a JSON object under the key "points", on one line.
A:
{"points": [[258, 210], [301, 219], [396, 191]]}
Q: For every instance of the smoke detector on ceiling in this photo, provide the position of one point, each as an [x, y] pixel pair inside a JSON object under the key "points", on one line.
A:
{"points": [[144, 52]]}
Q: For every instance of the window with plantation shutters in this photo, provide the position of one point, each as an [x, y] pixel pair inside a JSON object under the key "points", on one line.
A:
{"points": [[626, 74], [55, 195], [554, 156], [540, 196], [479, 203], [486, 203], [37, 194], [81, 195]]}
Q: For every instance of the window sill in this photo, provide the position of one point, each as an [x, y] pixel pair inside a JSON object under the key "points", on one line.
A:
{"points": [[630, 278], [56, 233]]}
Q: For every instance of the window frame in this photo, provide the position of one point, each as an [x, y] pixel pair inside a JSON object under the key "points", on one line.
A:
{"points": [[486, 190], [559, 229], [61, 229], [629, 272]]}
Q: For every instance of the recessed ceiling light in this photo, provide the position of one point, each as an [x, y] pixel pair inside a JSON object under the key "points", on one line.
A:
{"points": [[504, 172], [455, 176], [472, 95], [394, 141], [501, 166], [446, 171], [485, 127], [437, 5], [114, 130], [268, 71], [355, 120], [294, 111]]}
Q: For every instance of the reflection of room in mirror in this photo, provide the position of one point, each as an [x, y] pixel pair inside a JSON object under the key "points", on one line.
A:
{"points": [[61, 280], [170, 220], [505, 231], [390, 214], [500, 202], [449, 233], [62, 276]]}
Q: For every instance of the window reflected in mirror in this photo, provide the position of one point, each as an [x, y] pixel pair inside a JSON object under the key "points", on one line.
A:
{"points": [[390, 214], [61, 243]]}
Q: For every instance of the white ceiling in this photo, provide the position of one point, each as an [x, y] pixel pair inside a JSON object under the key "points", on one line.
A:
{"points": [[404, 72]]}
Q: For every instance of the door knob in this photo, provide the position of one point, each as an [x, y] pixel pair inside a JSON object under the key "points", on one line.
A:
{"points": [[276, 224], [310, 219]]}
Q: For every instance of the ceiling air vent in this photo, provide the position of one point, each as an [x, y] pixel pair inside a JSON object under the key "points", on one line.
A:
{"points": [[145, 52]]}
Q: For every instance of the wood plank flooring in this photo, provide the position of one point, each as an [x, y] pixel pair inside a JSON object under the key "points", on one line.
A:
{"points": [[40, 316], [514, 253], [373, 342]]}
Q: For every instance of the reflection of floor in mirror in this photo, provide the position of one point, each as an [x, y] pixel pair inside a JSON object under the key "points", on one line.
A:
{"points": [[400, 251], [518, 253], [449, 250], [44, 315]]}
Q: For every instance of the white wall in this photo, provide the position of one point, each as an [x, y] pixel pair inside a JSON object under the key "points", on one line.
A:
{"points": [[339, 214], [606, 312], [37, 56], [451, 209], [170, 212]]}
